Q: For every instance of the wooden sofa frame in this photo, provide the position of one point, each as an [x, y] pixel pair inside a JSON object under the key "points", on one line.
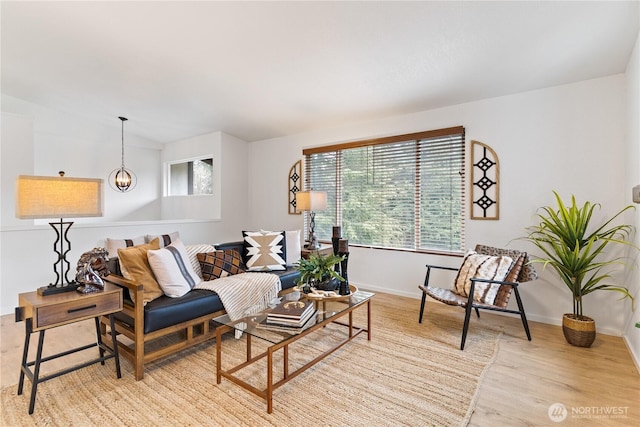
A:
{"points": [[139, 351]]}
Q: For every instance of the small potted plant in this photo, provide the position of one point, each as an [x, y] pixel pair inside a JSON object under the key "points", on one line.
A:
{"points": [[319, 272], [574, 248]]}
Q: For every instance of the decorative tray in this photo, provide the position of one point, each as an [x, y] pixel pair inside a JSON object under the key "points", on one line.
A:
{"points": [[320, 297]]}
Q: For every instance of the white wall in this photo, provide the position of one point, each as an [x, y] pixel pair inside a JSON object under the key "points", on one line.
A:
{"points": [[194, 207], [569, 138], [82, 148], [631, 333], [41, 141]]}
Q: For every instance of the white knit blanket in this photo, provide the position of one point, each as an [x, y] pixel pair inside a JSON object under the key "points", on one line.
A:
{"points": [[244, 294]]}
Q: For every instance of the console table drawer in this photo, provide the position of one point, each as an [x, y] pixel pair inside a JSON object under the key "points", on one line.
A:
{"points": [[88, 307]]}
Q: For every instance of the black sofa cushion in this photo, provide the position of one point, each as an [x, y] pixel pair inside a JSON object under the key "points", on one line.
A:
{"points": [[164, 311]]}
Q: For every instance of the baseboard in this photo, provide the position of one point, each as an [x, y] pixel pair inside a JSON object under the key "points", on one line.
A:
{"points": [[634, 356]]}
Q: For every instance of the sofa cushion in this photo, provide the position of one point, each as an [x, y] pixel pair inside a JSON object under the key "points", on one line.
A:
{"points": [[288, 277], [172, 269], [217, 264], [264, 251], [135, 267], [114, 244], [293, 245], [164, 311], [193, 251], [165, 239], [479, 266]]}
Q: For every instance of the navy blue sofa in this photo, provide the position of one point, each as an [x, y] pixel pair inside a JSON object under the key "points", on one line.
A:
{"points": [[187, 317]]}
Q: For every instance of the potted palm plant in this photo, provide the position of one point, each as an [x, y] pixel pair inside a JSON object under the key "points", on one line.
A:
{"points": [[574, 248], [319, 272]]}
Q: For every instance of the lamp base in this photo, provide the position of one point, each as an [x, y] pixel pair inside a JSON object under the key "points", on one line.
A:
{"points": [[53, 289], [312, 245]]}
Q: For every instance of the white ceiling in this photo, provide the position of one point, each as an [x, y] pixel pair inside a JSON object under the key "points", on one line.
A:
{"points": [[258, 70]]}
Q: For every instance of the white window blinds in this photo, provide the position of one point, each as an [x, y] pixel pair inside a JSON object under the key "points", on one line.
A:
{"points": [[400, 192]]}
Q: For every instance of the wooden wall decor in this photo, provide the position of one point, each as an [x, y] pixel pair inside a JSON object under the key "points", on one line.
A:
{"points": [[485, 182], [295, 183]]}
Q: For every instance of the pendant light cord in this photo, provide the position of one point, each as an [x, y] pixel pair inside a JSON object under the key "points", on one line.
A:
{"points": [[123, 120]]}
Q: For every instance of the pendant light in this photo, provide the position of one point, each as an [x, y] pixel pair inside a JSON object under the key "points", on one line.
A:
{"points": [[122, 179]]}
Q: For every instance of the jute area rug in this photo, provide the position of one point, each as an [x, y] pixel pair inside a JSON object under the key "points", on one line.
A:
{"points": [[408, 374]]}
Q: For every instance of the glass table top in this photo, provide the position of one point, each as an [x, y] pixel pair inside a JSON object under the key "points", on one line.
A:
{"points": [[257, 326]]}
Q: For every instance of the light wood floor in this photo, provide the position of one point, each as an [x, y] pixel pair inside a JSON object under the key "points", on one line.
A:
{"points": [[526, 378]]}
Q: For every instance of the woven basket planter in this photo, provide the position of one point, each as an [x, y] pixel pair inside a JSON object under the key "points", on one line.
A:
{"points": [[579, 332]]}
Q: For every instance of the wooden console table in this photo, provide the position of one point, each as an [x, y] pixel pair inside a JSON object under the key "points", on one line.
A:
{"points": [[323, 250], [45, 312]]}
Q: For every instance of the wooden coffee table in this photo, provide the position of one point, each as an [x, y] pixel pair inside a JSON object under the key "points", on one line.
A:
{"points": [[281, 339]]}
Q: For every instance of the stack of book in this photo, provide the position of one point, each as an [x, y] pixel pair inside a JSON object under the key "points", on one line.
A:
{"points": [[289, 316]]}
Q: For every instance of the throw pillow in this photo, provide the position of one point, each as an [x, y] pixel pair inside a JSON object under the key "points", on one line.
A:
{"points": [[114, 244], [482, 267], [264, 251], [217, 264], [193, 251], [293, 246], [173, 270], [165, 239], [135, 267]]}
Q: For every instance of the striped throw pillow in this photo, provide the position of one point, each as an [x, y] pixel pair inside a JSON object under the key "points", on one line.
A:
{"points": [[172, 269]]}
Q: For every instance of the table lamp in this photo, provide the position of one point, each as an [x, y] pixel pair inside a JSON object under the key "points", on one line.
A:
{"points": [[39, 197], [311, 201]]}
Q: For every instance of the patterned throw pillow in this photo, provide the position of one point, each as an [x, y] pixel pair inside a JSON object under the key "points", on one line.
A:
{"points": [[217, 264], [293, 245], [193, 251], [173, 270], [114, 244], [479, 266], [264, 251], [135, 267]]}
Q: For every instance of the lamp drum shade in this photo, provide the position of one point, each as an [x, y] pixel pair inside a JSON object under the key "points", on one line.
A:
{"points": [[40, 197], [311, 200]]}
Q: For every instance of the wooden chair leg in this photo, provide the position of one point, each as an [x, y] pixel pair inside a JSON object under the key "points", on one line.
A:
{"points": [[424, 298]]}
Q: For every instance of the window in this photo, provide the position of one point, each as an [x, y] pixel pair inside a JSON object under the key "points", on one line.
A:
{"points": [[193, 177], [400, 192]]}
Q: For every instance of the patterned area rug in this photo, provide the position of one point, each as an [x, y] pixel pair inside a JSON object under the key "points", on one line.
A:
{"points": [[408, 374]]}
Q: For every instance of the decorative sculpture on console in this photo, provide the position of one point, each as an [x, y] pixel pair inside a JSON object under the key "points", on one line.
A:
{"points": [[91, 269]]}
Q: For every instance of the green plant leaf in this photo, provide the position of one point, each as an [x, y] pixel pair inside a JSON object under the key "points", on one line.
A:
{"points": [[576, 254]]}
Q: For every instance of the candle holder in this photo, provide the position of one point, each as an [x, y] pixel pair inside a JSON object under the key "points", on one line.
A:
{"points": [[343, 246], [343, 251], [335, 241], [344, 286]]}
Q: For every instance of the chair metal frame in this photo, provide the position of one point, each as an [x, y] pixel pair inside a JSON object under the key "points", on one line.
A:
{"points": [[471, 304]]}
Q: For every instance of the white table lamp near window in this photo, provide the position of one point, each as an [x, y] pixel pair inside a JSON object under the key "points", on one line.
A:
{"points": [[40, 197], [311, 201]]}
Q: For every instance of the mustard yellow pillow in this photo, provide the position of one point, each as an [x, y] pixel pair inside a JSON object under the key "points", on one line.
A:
{"points": [[135, 267]]}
